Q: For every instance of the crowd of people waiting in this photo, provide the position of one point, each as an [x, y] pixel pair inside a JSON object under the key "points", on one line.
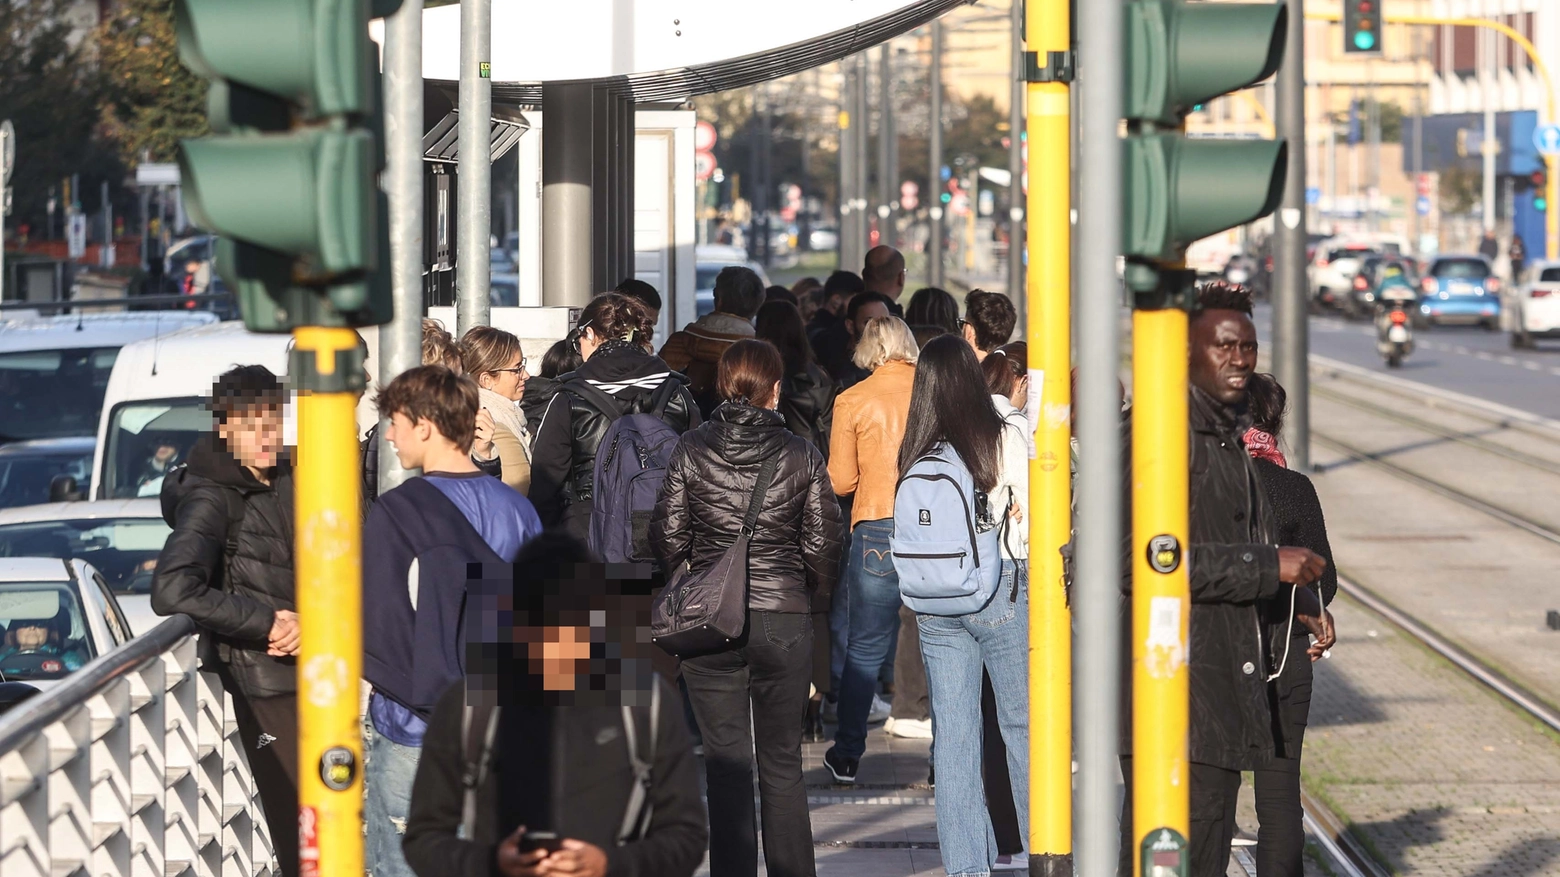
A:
{"points": [[785, 423]]}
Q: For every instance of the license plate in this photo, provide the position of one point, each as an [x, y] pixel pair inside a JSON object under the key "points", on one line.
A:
{"points": [[1397, 334], [1459, 289]]}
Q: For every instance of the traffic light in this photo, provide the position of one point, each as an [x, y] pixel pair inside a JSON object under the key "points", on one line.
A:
{"points": [[1540, 182], [1362, 27], [1180, 55], [288, 179]]}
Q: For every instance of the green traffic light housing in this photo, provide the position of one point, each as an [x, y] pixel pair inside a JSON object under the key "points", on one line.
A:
{"points": [[1180, 190], [1362, 27], [1182, 54]]}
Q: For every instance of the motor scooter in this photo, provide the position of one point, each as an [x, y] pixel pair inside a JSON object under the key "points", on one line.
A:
{"points": [[1394, 328]]}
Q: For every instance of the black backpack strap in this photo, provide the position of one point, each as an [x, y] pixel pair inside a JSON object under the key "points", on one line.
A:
{"points": [[478, 726], [663, 396], [640, 809], [766, 477], [595, 397]]}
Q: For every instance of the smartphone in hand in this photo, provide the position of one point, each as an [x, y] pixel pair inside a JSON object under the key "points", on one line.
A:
{"points": [[540, 840]]}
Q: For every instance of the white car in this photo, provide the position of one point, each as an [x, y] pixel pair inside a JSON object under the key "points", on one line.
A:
{"points": [[119, 538], [709, 259], [57, 615], [1535, 308]]}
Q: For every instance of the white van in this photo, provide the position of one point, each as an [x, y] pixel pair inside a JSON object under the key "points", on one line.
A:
{"points": [[54, 370], [158, 393]]}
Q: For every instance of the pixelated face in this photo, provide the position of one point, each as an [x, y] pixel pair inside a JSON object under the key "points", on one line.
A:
{"points": [[164, 453], [560, 655], [252, 433], [32, 636]]}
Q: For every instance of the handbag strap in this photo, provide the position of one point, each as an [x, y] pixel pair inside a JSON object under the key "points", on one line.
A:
{"points": [[766, 476]]}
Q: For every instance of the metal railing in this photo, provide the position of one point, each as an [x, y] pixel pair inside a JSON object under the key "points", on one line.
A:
{"points": [[130, 767]]}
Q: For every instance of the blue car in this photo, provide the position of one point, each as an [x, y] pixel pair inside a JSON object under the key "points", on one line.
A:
{"points": [[1461, 289]]}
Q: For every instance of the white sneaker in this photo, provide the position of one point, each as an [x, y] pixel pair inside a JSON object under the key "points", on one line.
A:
{"points": [[913, 729], [879, 712], [1015, 862]]}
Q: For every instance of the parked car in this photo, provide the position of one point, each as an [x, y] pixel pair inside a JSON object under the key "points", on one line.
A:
{"points": [[709, 259], [1536, 306], [54, 370], [823, 238], [57, 616], [119, 538], [45, 470], [1461, 289]]}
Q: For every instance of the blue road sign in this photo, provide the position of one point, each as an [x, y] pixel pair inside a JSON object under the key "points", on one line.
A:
{"points": [[1546, 138], [947, 173], [1422, 205], [1313, 195]]}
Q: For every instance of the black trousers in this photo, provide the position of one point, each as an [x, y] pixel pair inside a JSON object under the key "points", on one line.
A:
{"points": [[1281, 832], [911, 700], [994, 771], [1214, 792], [273, 763], [768, 673]]}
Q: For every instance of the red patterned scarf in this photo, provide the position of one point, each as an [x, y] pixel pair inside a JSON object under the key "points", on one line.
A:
{"points": [[1264, 446]]}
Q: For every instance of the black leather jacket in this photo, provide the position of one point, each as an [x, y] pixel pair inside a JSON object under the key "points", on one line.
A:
{"points": [[233, 596], [793, 557], [807, 404], [563, 454]]}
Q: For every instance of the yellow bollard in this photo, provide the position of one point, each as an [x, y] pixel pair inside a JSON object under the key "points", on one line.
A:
{"points": [[327, 367], [1048, 52], [1161, 591]]}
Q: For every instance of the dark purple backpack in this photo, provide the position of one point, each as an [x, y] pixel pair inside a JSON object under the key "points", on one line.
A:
{"points": [[630, 467]]}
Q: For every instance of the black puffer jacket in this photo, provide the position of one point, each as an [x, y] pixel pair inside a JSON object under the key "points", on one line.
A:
{"points": [[1300, 523], [232, 596], [807, 404], [793, 557], [563, 454], [539, 392]]}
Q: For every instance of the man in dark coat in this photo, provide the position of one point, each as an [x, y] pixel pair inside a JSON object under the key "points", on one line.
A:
{"points": [[1240, 580], [229, 565]]}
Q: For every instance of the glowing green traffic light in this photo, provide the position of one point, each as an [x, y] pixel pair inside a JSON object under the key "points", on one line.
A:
{"points": [[1540, 203], [946, 198], [1365, 40]]}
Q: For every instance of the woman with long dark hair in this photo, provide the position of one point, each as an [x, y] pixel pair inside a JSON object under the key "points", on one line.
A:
{"points": [[1281, 832], [793, 558], [806, 392], [951, 408]]}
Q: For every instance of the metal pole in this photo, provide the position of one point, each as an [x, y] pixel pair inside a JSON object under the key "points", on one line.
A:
{"points": [[1015, 284], [567, 176], [1291, 340], [1097, 585], [400, 341], [1487, 71], [765, 179], [847, 124], [475, 168], [1049, 332], [106, 252], [934, 242], [863, 154], [886, 171], [1418, 157], [1374, 132]]}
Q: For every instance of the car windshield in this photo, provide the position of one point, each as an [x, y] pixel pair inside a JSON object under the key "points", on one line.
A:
{"points": [[24, 478], [1350, 252], [145, 440], [53, 393], [1461, 269], [704, 276], [124, 550], [1550, 275], [45, 632]]}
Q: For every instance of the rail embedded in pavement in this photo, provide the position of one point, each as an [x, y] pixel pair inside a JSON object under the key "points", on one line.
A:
{"points": [[130, 767]]}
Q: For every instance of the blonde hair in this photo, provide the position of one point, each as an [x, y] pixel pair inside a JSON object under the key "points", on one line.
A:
{"points": [[485, 349], [438, 346], [884, 340]]}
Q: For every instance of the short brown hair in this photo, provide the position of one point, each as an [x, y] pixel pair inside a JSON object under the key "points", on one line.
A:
{"points": [[438, 345], [992, 316], [484, 349], [748, 371], [614, 316], [438, 395]]}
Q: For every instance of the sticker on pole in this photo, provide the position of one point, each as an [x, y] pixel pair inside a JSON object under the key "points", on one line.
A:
{"points": [[1164, 853], [1546, 139], [338, 768], [308, 842], [1164, 554]]}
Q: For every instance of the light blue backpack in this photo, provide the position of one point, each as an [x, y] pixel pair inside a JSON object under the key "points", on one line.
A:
{"points": [[945, 545]]}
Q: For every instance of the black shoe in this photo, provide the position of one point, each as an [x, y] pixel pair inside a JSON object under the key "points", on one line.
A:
{"points": [[844, 769], [812, 723], [931, 775]]}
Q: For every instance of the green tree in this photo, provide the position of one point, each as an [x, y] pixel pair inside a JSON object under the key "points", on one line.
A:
{"points": [[50, 90], [153, 101]]}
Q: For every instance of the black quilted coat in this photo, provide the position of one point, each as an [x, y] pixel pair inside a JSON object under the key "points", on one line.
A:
{"points": [[233, 598], [794, 554]]}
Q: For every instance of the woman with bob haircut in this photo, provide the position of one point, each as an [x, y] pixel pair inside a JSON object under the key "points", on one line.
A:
{"points": [[493, 358], [793, 557]]}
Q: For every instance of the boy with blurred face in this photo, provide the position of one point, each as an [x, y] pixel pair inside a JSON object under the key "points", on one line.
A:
{"points": [[229, 565]]}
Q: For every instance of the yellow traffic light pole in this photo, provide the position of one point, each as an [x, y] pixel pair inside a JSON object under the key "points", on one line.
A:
{"points": [[327, 366], [1048, 71], [1551, 162]]}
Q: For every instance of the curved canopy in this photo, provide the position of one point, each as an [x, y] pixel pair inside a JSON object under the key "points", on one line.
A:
{"points": [[667, 49]]}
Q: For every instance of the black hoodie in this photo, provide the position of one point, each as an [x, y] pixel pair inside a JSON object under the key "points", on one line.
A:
{"points": [[563, 455], [233, 595]]}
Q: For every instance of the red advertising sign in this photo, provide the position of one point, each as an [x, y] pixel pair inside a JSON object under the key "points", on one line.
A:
{"points": [[704, 137]]}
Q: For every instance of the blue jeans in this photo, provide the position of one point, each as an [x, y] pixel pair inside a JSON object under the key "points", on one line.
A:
{"points": [[874, 612], [955, 648], [388, 771]]}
